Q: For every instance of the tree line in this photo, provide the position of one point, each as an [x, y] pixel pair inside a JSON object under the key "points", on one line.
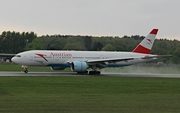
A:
{"points": [[14, 42]]}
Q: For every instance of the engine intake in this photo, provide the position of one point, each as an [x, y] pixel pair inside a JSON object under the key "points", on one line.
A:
{"points": [[79, 66]]}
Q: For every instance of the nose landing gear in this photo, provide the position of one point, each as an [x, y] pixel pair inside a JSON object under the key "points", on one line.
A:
{"points": [[25, 69]]}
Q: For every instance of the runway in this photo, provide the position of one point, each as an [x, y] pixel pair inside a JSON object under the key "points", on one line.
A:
{"points": [[102, 74]]}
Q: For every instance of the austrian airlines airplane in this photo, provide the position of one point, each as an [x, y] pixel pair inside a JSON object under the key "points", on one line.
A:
{"points": [[82, 61]]}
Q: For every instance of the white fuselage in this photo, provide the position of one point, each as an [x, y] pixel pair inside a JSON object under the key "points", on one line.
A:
{"points": [[62, 58]]}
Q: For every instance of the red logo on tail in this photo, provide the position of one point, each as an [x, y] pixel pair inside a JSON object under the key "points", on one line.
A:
{"points": [[149, 41]]}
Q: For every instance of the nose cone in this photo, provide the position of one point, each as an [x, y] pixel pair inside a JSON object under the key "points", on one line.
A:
{"points": [[14, 59]]}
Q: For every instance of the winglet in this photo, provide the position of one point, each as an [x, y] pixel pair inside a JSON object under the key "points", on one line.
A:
{"points": [[146, 44]]}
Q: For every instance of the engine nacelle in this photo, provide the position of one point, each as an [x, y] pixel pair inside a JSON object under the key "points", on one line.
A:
{"points": [[79, 66], [57, 68]]}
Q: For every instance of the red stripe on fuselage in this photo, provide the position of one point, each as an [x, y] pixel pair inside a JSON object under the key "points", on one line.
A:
{"points": [[42, 56], [141, 49]]}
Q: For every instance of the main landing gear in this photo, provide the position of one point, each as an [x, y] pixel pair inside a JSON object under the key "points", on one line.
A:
{"points": [[83, 73], [90, 73], [94, 72]]}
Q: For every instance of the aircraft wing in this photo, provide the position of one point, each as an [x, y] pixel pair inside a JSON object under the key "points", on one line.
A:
{"points": [[155, 56], [112, 60], [109, 60], [124, 59]]}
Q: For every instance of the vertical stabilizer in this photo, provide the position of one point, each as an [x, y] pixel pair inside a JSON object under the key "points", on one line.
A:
{"points": [[146, 44]]}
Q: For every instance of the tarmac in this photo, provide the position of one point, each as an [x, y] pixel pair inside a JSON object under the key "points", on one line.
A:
{"points": [[102, 74]]}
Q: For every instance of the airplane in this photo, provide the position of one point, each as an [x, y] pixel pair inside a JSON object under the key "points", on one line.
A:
{"points": [[88, 62]]}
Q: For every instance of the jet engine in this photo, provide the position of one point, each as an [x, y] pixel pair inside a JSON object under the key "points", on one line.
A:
{"points": [[57, 68], [79, 66]]}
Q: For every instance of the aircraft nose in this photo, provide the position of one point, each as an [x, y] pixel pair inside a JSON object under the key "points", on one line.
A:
{"points": [[14, 59]]}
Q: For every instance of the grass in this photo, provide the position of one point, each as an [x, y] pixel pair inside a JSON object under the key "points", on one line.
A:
{"points": [[16, 67], [87, 94]]}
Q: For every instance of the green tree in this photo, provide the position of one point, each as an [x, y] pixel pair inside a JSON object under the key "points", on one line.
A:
{"points": [[58, 44], [87, 42], [97, 46], [37, 44], [14, 42], [108, 47], [73, 46]]}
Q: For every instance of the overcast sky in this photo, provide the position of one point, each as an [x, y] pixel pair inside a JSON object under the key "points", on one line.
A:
{"points": [[92, 17]]}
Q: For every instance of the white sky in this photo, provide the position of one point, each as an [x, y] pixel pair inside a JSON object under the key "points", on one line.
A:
{"points": [[92, 17]]}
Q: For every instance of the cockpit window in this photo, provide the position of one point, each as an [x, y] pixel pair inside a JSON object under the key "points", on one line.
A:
{"points": [[18, 56]]}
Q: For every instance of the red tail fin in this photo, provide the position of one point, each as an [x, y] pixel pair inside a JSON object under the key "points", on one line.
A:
{"points": [[146, 44]]}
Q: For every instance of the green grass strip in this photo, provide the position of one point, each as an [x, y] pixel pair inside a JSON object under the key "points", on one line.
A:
{"points": [[89, 94]]}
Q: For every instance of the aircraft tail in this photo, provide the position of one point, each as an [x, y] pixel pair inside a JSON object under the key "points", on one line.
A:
{"points": [[146, 44]]}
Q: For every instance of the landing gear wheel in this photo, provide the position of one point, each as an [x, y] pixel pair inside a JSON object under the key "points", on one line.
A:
{"points": [[25, 70], [94, 72], [83, 73]]}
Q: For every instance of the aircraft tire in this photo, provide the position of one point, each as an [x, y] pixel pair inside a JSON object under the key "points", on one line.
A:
{"points": [[83, 73], [25, 71], [94, 72]]}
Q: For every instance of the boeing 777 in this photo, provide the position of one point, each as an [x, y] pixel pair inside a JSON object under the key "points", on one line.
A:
{"points": [[88, 62]]}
